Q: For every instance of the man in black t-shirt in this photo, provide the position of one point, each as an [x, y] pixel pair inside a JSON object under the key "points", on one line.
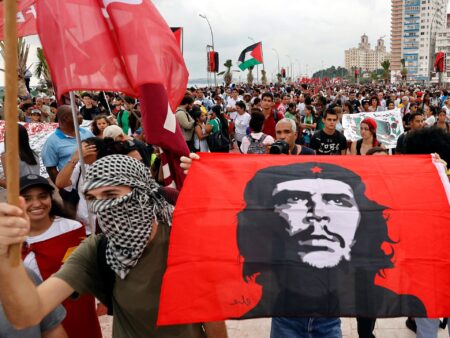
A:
{"points": [[88, 111], [416, 122], [407, 117], [355, 103], [329, 141]]}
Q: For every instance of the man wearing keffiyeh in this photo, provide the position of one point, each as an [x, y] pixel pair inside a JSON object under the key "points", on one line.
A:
{"points": [[135, 220]]}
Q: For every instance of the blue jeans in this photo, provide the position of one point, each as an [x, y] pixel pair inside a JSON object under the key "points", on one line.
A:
{"points": [[306, 328], [428, 328]]}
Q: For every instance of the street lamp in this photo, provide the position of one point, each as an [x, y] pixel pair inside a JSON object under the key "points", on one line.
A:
{"points": [[278, 59], [257, 68], [212, 40], [299, 68]]}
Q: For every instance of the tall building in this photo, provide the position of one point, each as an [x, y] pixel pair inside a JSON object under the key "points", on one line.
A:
{"points": [[420, 20], [364, 57], [396, 34]]}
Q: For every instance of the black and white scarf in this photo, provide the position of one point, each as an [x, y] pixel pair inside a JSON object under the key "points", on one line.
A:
{"points": [[126, 221]]}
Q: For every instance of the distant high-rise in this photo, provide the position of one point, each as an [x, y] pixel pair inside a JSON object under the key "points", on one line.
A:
{"points": [[414, 25], [364, 57], [396, 34]]}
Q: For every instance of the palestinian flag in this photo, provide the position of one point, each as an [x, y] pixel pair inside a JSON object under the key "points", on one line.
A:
{"points": [[251, 56]]}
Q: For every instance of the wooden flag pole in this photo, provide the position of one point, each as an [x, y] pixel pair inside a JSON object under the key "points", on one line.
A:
{"points": [[12, 130]]}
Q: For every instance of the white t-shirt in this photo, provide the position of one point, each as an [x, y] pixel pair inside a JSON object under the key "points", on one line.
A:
{"points": [[82, 209], [301, 108], [447, 112], [430, 121], [241, 123], [231, 103], [59, 226], [246, 142]]}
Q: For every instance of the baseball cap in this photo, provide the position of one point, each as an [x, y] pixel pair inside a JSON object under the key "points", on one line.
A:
{"points": [[29, 181]]}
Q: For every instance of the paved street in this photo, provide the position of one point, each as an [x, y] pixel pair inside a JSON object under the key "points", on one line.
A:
{"points": [[260, 328]]}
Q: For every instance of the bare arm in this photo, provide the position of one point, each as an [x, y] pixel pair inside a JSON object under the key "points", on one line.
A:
{"points": [[52, 172], [24, 304], [63, 178], [353, 148], [208, 128], [216, 330], [56, 332], [199, 133]]}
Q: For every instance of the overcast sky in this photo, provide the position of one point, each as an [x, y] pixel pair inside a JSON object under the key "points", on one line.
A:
{"points": [[310, 32]]}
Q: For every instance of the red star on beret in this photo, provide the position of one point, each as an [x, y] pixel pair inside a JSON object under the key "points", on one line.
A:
{"points": [[316, 170]]}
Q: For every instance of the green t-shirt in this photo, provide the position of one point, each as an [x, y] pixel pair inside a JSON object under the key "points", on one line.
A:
{"points": [[123, 121], [216, 125], [136, 298], [289, 115]]}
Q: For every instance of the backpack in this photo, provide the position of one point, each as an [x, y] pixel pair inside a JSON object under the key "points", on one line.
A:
{"points": [[219, 141], [256, 146], [275, 115]]}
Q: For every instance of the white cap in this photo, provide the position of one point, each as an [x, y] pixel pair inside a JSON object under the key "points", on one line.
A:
{"points": [[112, 131]]}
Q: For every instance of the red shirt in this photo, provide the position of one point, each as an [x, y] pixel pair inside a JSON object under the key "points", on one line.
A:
{"points": [[270, 123]]}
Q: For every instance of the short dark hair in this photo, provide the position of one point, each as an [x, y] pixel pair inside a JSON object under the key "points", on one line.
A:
{"points": [[267, 94], [129, 99], [86, 94], [428, 141], [414, 115], [329, 111], [241, 104], [187, 99], [26, 106], [256, 121]]}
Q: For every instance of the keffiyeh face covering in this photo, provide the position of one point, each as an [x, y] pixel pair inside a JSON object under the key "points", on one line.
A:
{"points": [[126, 221]]}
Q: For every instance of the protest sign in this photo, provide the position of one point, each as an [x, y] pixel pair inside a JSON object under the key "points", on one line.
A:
{"points": [[389, 126]]}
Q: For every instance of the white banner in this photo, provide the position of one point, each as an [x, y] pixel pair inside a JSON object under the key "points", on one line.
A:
{"points": [[389, 126], [38, 134]]}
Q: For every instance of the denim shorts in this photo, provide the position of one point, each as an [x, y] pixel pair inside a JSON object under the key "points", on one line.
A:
{"points": [[306, 328]]}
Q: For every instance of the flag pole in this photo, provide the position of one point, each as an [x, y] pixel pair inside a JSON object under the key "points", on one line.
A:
{"points": [[11, 113], [107, 103], [80, 150]]}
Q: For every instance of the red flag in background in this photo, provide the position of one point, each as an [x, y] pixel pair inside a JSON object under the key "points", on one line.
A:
{"points": [[178, 33], [26, 18], [120, 45], [439, 62], [309, 236]]}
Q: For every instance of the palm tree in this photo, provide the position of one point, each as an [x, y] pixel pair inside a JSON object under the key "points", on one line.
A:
{"points": [[386, 64], [279, 78], [250, 75], [22, 56], [228, 74], [263, 77], [42, 71], [404, 70]]}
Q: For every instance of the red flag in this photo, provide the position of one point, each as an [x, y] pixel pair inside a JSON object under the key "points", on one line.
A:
{"points": [[178, 33], [309, 236], [26, 18], [121, 45], [439, 62]]}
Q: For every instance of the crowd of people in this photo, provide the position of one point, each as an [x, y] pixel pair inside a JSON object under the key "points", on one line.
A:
{"points": [[123, 208]]}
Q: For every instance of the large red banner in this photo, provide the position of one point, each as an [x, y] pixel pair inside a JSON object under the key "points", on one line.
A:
{"points": [[264, 236]]}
